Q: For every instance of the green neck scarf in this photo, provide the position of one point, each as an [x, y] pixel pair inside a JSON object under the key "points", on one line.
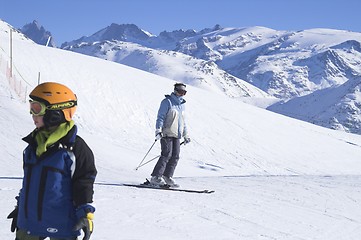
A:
{"points": [[47, 137]]}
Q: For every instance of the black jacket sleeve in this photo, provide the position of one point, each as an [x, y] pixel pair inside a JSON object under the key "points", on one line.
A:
{"points": [[84, 174]]}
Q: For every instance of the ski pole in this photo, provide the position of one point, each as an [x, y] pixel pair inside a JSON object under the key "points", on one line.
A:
{"points": [[146, 154], [141, 165]]}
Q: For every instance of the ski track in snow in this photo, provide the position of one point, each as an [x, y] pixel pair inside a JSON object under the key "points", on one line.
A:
{"points": [[260, 207]]}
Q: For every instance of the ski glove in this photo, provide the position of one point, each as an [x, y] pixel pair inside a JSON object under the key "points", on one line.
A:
{"points": [[85, 213], [186, 140], [14, 215], [158, 134]]}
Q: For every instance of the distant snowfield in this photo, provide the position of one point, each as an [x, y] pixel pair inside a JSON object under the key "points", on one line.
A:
{"points": [[274, 177], [321, 65]]}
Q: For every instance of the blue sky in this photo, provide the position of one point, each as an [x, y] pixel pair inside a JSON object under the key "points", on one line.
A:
{"points": [[71, 19]]}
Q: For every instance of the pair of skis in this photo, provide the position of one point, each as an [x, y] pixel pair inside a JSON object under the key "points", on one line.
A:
{"points": [[148, 185]]}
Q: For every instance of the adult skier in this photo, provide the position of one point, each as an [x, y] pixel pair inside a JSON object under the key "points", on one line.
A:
{"points": [[56, 197], [170, 128]]}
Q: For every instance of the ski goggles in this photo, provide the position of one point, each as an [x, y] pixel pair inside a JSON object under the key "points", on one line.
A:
{"points": [[38, 108], [182, 92]]}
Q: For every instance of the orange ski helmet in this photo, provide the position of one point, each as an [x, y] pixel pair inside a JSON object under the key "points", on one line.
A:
{"points": [[59, 100]]}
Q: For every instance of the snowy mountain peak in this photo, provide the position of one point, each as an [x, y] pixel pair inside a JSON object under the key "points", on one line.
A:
{"points": [[216, 27], [36, 32], [35, 25], [177, 35], [349, 45], [122, 32], [119, 32]]}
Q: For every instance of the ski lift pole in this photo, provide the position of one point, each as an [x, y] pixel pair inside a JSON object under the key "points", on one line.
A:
{"points": [[141, 164], [146, 154]]}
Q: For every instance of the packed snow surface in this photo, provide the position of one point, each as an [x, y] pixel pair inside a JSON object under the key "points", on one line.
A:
{"points": [[274, 177]]}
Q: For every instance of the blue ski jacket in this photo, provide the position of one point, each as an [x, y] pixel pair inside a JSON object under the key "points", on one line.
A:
{"points": [[171, 117], [54, 185]]}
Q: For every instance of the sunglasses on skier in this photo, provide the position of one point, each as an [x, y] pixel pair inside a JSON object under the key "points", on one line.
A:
{"points": [[182, 92]]}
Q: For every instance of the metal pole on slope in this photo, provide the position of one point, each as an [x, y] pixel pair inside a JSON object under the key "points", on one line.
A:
{"points": [[47, 43], [11, 53], [38, 78]]}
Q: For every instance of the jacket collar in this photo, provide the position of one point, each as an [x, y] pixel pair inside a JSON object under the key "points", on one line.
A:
{"points": [[68, 139], [175, 98]]}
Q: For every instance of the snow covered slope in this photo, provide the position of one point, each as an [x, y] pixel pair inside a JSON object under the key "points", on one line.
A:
{"points": [[274, 176], [337, 107], [173, 65]]}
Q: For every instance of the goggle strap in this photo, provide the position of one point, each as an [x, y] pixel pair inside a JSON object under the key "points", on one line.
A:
{"points": [[61, 106]]}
